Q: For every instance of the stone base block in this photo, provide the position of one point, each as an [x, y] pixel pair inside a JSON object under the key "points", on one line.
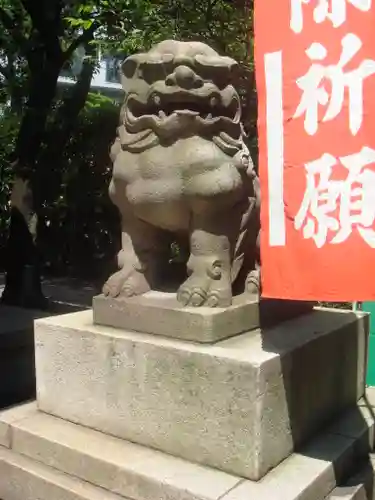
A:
{"points": [[160, 313], [46, 458], [241, 405]]}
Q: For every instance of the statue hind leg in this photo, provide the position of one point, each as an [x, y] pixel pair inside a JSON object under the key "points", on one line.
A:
{"points": [[253, 279], [144, 248], [246, 261]]}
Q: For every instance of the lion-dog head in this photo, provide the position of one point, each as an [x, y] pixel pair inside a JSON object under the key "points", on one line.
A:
{"points": [[179, 90]]}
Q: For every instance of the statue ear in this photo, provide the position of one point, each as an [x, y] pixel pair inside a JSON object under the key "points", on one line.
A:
{"points": [[222, 70], [216, 62]]}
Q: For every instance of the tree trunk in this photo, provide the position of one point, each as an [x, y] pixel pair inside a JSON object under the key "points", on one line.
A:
{"points": [[33, 125], [49, 164], [23, 268], [22, 282], [22, 260]]}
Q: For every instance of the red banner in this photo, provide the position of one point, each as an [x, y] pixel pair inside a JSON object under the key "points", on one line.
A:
{"points": [[315, 67]]}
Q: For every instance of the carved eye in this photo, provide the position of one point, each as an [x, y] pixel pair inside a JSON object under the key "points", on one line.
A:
{"points": [[128, 67]]}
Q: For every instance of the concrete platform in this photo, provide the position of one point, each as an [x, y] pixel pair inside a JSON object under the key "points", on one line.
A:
{"points": [[45, 458], [241, 405]]}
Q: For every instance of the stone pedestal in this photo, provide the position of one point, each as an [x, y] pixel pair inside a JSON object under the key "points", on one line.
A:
{"points": [[239, 405], [128, 415]]}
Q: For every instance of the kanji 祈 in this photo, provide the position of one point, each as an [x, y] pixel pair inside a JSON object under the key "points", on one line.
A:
{"points": [[341, 81], [334, 10], [331, 207]]}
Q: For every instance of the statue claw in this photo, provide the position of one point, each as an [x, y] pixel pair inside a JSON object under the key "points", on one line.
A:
{"points": [[198, 291]]}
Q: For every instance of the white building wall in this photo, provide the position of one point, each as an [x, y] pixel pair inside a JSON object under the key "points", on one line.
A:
{"points": [[99, 81]]}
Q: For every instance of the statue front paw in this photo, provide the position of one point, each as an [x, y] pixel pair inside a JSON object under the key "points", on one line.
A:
{"points": [[126, 284], [113, 286]]}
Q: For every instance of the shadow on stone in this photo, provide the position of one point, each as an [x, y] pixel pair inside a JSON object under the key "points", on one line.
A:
{"points": [[359, 487], [322, 383], [361, 484], [274, 311], [17, 359]]}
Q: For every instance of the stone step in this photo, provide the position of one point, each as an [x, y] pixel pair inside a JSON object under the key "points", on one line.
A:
{"points": [[139, 473], [360, 487], [25, 479], [308, 475], [118, 466]]}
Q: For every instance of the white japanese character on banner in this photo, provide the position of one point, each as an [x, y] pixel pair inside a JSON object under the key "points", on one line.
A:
{"points": [[315, 93], [334, 10], [339, 205]]}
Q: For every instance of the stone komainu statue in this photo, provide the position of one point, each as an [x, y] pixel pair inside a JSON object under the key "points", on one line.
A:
{"points": [[182, 172]]}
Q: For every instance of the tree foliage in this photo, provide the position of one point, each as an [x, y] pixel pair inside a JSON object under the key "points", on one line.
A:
{"points": [[80, 234], [51, 136], [39, 38]]}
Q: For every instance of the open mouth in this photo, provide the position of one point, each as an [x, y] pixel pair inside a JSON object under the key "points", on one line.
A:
{"points": [[208, 109]]}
